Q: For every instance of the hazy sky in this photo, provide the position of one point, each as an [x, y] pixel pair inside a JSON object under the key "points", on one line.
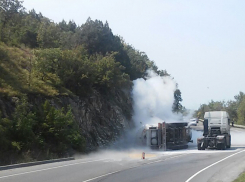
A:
{"points": [[200, 43]]}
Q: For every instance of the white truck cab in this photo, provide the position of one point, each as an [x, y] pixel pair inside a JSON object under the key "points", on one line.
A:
{"points": [[219, 119], [216, 131]]}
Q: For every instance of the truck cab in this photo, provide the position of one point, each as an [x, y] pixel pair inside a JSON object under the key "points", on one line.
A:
{"points": [[216, 132], [218, 120]]}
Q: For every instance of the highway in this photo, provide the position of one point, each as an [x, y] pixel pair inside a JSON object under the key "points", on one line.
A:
{"points": [[188, 165]]}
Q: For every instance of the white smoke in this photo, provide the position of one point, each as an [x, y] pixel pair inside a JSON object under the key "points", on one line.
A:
{"points": [[237, 137], [153, 99]]}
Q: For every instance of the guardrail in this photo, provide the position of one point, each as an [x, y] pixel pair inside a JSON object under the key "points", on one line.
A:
{"points": [[34, 163], [238, 126]]}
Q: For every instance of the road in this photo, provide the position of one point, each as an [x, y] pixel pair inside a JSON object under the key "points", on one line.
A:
{"points": [[188, 165]]}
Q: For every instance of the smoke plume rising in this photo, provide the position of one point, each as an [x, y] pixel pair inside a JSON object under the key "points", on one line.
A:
{"points": [[153, 99]]}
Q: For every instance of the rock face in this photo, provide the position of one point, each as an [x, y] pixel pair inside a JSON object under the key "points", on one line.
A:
{"points": [[102, 118]]}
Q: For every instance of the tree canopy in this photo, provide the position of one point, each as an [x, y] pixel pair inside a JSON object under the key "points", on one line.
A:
{"points": [[235, 108]]}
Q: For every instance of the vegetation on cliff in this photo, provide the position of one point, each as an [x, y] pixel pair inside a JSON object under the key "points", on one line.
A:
{"points": [[40, 58]]}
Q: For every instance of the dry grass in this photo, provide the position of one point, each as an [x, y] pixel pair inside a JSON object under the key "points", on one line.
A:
{"points": [[17, 74]]}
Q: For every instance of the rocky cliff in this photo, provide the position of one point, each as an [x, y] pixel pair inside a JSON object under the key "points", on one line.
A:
{"points": [[102, 118]]}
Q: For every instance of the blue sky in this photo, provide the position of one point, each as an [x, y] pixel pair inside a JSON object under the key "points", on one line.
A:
{"points": [[200, 43]]}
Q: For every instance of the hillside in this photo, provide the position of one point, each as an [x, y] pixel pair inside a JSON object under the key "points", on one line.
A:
{"points": [[63, 88]]}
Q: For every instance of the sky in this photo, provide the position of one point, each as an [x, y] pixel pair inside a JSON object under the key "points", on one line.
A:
{"points": [[200, 43]]}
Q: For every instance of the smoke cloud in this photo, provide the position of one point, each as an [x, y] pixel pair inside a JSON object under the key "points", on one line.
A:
{"points": [[153, 99], [237, 137]]}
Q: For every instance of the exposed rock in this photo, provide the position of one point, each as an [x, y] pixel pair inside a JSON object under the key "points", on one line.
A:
{"points": [[102, 118]]}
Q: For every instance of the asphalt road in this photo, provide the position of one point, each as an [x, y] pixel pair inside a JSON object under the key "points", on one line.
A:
{"points": [[125, 166]]}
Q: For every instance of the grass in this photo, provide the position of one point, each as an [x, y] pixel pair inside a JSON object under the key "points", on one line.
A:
{"points": [[241, 178], [17, 74]]}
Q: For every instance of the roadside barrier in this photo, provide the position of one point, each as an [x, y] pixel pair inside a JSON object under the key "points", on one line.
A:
{"points": [[34, 163]]}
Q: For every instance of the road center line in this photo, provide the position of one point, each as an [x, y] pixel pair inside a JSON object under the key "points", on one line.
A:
{"points": [[188, 180], [107, 174], [18, 174]]}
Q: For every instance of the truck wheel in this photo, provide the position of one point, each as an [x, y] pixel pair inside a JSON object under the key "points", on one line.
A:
{"points": [[219, 146], [229, 145], [224, 145], [199, 146]]}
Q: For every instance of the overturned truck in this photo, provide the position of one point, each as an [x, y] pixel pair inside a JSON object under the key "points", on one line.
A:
{"points": [[166, 136]]}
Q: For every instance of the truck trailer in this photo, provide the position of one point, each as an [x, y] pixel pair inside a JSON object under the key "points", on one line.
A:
{"points": [[216, 131], [166, 136]]}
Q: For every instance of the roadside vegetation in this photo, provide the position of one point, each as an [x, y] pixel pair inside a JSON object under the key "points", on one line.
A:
{"points": [[241, 178], [235, 108], [43, 59], [33, 133]]}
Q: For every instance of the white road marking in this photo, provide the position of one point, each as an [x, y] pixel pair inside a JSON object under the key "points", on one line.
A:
{"points": [[103, 175], [188, 180], [107, 174], [18, 174]]}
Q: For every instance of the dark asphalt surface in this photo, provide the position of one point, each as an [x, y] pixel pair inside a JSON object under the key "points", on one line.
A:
{"points": [[167, 166]]}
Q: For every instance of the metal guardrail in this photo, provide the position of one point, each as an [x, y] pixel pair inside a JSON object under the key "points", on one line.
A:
{"points": [[34, 163], [239, 126]]}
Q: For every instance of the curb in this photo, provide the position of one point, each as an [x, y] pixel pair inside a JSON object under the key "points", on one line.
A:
{"points": [[34, 163]]}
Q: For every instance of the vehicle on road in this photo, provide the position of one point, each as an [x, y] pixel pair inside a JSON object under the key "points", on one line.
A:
{"points": [[193, 122], [166, 136], [216, 131]]}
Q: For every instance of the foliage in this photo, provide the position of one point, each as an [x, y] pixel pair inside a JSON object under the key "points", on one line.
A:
{"points": [[40, 57], [17, 75], [177, 99], [48, 35], [241, 112], [57, 130], [235, 108], [211, 106], [241, 178], [38, 131], [139, 62], [78, 71]]}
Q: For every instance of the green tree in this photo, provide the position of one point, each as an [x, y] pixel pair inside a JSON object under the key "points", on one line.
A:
{"points": [[22, 134], [47, 64], [58, 130], [139, 62], [239, 97], [241, 112], [11, 12], [109, 72], [201, 111], [9, 8], [29, 29], [5, 142], [231, 108], [48, 35], [177, 106], [217, 105]]}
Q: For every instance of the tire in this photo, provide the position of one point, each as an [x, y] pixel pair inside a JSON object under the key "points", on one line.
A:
{"points": [[229, 145], [199, 146], [224, 145], [219, 146]]}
